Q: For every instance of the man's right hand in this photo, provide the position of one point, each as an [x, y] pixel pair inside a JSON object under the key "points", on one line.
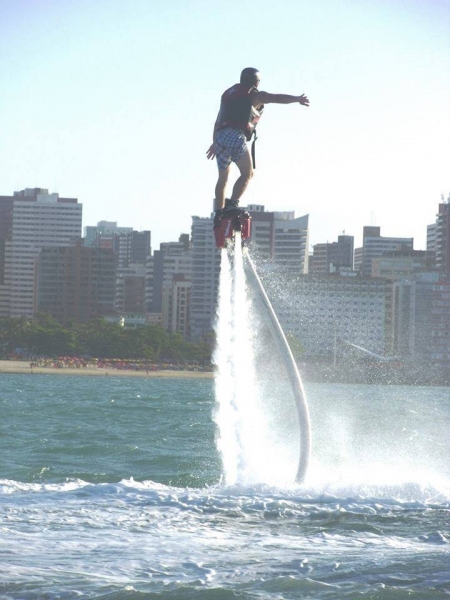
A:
{"points": [[211, 152]]}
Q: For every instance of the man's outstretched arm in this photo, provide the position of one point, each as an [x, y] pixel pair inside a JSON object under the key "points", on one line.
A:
{"points": [[259, 98]]}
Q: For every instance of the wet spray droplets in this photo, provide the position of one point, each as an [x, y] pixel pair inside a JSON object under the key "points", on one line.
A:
{"points": [[241, 424]]}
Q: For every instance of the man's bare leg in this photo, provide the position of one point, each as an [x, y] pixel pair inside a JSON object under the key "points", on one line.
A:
{"points": [[221, 184], [245, 167]]}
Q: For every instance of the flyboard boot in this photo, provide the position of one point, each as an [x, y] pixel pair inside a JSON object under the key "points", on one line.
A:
{"points": [[228, 220]]}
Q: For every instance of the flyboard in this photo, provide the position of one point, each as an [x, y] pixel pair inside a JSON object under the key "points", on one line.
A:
{"points": [[238, 219]]}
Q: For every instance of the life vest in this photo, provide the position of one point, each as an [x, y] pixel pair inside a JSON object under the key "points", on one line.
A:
{"points": [[237, 110]]}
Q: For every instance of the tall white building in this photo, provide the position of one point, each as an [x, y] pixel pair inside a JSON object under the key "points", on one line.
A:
{"points": [[205, 271], [280, 238], [36, 220]]}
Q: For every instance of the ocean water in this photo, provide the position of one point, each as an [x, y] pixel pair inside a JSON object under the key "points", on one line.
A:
{"points": [[113, 488]]}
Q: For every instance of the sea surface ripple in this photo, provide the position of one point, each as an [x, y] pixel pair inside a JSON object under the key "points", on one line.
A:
{"points": [[114, 490]]}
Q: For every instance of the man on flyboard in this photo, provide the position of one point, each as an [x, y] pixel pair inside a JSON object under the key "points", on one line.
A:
{"points": [[241, 108]]}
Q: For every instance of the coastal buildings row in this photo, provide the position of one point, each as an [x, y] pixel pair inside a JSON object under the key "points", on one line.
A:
{"points": [[384, 296]]}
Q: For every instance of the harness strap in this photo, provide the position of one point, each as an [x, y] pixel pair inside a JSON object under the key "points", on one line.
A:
{"points": [[255, 137]]}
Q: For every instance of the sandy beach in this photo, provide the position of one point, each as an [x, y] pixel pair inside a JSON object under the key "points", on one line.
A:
{"points": [[24, 368]]}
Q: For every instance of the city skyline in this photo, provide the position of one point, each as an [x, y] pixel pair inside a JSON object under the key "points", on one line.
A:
{"points": [[115, 104], [154, 234], [379, 295]]}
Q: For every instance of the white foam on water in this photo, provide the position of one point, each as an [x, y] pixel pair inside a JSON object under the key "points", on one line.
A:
{"points": [[159, 538]]}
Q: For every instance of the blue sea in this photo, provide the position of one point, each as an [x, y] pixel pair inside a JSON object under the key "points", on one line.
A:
{"points": [[113, 488]]}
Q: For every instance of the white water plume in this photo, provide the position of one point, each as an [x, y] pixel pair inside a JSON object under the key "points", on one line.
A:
{"points": [[240, 423], [225, 412]]}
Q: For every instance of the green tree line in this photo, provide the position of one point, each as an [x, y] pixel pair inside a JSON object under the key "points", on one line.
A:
{"points": [[45, 336]]}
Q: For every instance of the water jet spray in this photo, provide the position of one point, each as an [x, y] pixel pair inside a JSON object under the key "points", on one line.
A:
{"points": [[236, 374]]}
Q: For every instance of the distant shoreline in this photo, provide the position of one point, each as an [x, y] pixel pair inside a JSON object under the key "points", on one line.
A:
{"points": [[310, 374], [17, 367]]}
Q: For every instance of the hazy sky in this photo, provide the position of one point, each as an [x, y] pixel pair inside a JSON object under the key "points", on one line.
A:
{"points": [[114, 103]]}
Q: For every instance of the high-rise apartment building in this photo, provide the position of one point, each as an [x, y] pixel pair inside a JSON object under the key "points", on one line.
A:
{"points": [[438, 237], [168, 287], [399, 264], [375, 245], [176, 306], [149, 286], [131, 250], [130, 289], [130, 247], [431, 238], [135, 248], [103, 234], [205, 271], [6, 204], [332, 257], [31, 219], [394, 266], [280, 238], [172, 258], [421, 308], [75, 283]]}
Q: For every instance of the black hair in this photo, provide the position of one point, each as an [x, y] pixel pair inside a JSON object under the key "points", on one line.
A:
{"points": [[250, 76]]}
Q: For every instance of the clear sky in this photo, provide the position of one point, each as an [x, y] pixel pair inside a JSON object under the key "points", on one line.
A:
{"points": [[114, 102]]}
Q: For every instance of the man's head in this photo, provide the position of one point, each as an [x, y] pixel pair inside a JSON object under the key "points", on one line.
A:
{"points": [[250, 77]]}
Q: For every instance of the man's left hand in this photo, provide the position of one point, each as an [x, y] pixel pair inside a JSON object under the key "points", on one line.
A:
{"points": [[303, 100]]}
